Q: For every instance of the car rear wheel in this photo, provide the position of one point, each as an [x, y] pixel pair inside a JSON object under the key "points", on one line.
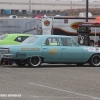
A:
{"points": [[34, 61], [20, 62], [95, 60]]}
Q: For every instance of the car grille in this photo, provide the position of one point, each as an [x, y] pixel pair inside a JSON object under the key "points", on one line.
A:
{"points": [[4, 50]]}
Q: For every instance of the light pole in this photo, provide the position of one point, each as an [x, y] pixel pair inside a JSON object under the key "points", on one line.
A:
{"points": [[86, 10], [84, 33], [87, 37]]}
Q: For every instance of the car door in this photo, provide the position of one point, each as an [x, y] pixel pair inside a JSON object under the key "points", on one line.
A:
{"points": [[51, 50], [71, 51]]}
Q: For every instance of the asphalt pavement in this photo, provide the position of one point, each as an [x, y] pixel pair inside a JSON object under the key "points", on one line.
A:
{"points": [[50, 82]]}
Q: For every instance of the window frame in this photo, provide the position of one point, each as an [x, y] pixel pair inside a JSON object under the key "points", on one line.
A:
{"points": [[67, 40], [58, 42], [22, 38]]}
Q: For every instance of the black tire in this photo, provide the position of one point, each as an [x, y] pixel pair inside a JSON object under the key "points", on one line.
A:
{"points": [[9, 62], [20, 62], [95, 60], [79, 64], [34, 61], [4, 62]]}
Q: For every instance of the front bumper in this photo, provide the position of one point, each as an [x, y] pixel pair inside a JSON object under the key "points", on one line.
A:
{"points": [[7, 56]]}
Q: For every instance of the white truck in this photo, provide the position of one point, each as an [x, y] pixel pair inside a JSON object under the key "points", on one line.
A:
{"points": [[61, 25]]}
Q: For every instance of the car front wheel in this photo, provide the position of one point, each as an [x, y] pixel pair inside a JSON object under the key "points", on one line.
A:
{"points": [[95, 60], [34, 61]]}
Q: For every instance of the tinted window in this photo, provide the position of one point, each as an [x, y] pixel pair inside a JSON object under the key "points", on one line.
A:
{"points": [[66, 41], [21, 38], [24, 37], [30, 40], [74, 43], [52, 42], [3, 36]]}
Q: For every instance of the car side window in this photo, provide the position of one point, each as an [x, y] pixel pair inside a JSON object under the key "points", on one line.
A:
{"points": [[21, 38], [24, 37], [66, 41], [74, 43], [51, 42]]}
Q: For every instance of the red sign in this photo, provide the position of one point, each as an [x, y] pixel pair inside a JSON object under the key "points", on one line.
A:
{"points": [[75, 25], [46, 23]]}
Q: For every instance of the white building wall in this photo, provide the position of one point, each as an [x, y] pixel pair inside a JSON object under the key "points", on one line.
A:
{"points": [[46, 4]]}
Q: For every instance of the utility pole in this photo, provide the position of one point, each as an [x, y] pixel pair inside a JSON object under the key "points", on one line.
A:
{"points": [[86, 10], [85, 31], [87, 39]]}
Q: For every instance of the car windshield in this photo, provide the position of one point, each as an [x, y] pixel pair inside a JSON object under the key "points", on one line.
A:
{"points": [[30, 40], [3, 36]]}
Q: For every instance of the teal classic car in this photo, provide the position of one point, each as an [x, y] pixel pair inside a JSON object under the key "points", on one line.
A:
{"points": [[39, 49]]}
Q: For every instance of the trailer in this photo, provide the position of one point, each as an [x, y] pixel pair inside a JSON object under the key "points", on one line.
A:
{"points": [[67, 25], [20, 25]]}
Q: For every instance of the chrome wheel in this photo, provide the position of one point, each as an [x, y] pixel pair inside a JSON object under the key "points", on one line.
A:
{"points": [[95, 60], [34, 61]]}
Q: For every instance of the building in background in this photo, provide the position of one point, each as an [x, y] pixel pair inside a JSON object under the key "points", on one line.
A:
{"points": [[24, 7]]}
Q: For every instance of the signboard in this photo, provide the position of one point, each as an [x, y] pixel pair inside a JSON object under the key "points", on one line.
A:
{"points": [[89, 25]]}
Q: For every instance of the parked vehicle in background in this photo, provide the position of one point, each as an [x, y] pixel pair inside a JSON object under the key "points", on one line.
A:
{"points": [[13, 16], [68, 26], [83, 14], [39, 49], [38, 16], [9, 39]]}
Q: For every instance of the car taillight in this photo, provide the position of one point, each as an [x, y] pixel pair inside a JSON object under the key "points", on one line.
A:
{"points": [[8, 50]]}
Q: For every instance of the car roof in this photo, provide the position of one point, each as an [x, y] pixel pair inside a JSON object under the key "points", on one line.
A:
{"points": [[63, 36], [18, 34]]}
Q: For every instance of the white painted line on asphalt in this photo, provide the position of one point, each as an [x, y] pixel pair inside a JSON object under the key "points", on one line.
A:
{"points": [[63, 97], [7, 68], [92, 97]]}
